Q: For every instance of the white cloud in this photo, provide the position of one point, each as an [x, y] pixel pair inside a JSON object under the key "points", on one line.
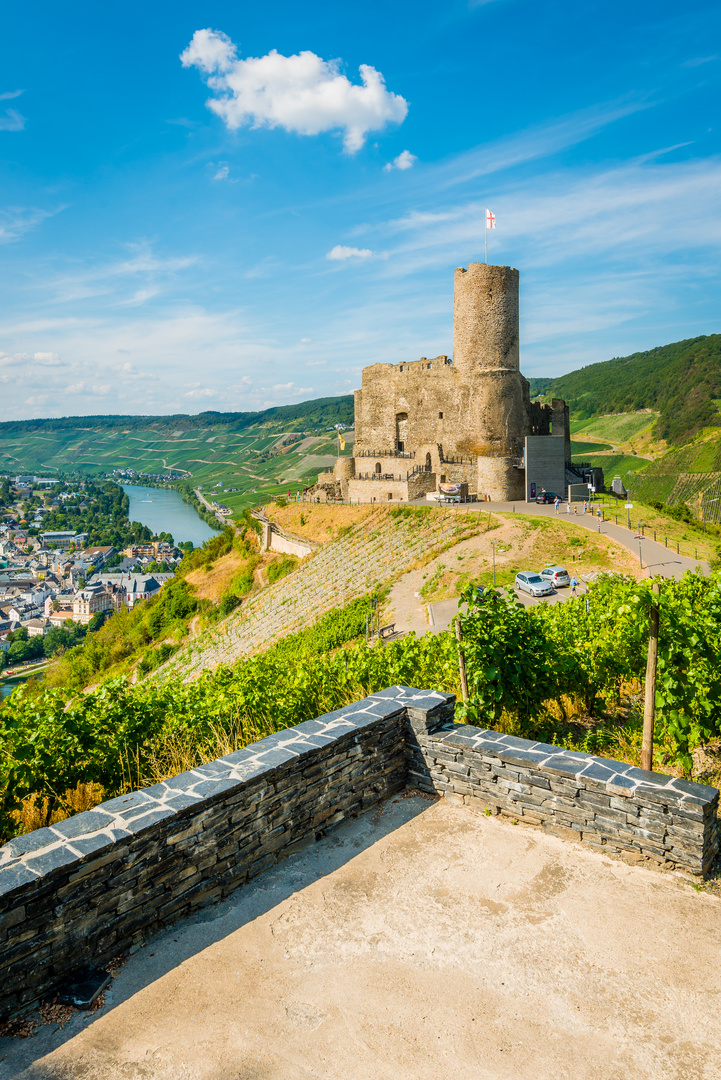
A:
{"points": [[305, 340], [10, 94], [303, 93], [405, 160], [316, 363], [222, 173], [340, 252], [201, 392], [12, 121], [17, 220]]}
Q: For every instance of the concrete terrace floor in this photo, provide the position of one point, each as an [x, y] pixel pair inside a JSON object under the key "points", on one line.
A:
{"points": [[420, 941]]}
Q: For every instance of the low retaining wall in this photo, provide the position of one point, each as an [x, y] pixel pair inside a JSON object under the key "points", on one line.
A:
{"points": [[86, 889], [608, 804]]}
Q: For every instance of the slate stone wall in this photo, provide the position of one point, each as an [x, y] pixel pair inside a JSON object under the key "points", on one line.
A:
{"points": [[645, 816], [86, 889]]}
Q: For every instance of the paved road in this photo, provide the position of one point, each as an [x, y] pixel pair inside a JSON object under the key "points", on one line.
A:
{"points": [[657, 559], [443, 612]]}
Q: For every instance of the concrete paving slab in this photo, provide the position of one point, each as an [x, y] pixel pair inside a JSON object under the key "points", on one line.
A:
{"points": [[420, 941]]}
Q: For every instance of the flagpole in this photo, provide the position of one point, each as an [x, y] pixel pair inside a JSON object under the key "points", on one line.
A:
{"points": [[486, 236]]}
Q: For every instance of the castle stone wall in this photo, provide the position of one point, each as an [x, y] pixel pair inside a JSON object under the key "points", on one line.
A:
{"points": [[476, 405]]}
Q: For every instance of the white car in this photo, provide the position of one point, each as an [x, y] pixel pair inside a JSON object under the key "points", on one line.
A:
{"points": [[531, 582], [556, 575]]}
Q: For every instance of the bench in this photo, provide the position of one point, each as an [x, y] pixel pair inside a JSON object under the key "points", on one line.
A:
{"points": [[387, 631]]}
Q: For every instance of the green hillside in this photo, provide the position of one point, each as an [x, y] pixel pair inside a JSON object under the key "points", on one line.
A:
{"points": [[682, 382], [258, 454]]}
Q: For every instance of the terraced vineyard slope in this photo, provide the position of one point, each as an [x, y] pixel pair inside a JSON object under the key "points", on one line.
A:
{"points": [[370, 554]]}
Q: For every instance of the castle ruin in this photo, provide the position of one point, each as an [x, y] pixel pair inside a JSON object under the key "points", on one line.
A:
{"points": [[462, 420]]}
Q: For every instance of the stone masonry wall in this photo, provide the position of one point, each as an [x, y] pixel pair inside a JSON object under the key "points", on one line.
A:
{"points": [[89, 887], [613, 806], [85, 889]]}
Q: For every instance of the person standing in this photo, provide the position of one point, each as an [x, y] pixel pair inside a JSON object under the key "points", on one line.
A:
{"points": [[585, 506], [556, 503], [568, 508], [574, 584]]}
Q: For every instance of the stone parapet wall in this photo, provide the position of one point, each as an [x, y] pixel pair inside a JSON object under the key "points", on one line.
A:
{"points": [[609, 804], [86, 889]]}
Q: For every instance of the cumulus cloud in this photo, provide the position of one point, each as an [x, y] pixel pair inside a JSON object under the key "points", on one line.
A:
{"points": [[222, 173], [340, 252], [405, 160], [303, 93]]}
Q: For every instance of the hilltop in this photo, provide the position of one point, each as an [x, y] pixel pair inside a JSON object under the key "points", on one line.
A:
{"points": [[255, 453], [680, 381]]}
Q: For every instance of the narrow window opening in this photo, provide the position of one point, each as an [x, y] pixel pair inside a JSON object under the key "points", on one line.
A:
{"points": [[440, 415]]}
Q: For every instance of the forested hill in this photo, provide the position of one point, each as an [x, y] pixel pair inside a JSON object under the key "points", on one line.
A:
{"points": [[681, 381], [305, 415]]}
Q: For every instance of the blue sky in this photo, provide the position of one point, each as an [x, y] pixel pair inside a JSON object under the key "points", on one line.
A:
{"points": [[255, 222]]}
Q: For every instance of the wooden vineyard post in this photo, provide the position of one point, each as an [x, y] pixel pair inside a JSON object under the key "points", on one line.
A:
{"points": [[461, 661], [650, 685]]}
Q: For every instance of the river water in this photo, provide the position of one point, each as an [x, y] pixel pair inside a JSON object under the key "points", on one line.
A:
{"points": [[163, 510]]}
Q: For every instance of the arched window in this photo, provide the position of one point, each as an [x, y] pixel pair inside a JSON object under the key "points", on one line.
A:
{"points": [[378, 466], [428, 462]]}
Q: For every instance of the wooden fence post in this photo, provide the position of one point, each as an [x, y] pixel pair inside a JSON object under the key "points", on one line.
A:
{"points": [[461, 660], [650, 685]]}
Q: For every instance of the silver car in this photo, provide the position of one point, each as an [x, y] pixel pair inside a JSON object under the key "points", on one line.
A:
{"points": [[531, 582], [557, 575]]}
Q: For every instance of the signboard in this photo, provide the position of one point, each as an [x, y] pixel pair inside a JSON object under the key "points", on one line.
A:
{"points": [[628, 506]]}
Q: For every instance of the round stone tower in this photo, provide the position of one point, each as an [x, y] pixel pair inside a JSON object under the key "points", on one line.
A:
{"points": [[485, 318], [485, 354]]}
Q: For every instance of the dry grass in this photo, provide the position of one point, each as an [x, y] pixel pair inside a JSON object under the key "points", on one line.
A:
{"points": [[34, 811], [523, 543], [211, 584], [317, 521]]}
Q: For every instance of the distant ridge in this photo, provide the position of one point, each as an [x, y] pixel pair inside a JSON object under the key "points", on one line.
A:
{"points": [[316, 413], [681, 381]]}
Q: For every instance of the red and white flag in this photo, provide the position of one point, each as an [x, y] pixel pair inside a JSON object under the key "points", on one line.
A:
{"points": [[490, 220]]}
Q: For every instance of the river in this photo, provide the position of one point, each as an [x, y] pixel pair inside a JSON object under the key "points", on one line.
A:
{"points": [[163, 510]]}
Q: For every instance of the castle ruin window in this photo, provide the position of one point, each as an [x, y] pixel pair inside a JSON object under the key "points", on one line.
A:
{"points": [[378, 467], [401, 430], [440, 415], [390, 494], [430, 366], [428, 462], [401, 367], [443, 478]]}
